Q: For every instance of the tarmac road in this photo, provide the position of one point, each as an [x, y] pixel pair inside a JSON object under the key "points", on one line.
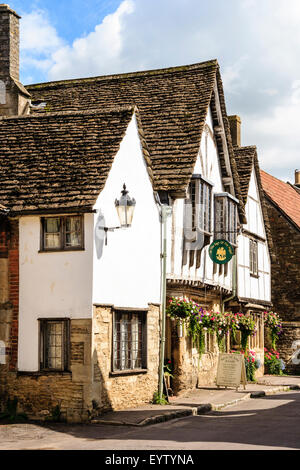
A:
{"points": [[269, 423]]}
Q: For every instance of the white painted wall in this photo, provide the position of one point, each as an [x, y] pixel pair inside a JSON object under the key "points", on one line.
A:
{"points": [[128, 272], [52, 285], [208, 165], [66, 284], [249, 286]]}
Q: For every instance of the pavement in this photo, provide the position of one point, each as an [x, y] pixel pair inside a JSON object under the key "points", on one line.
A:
{"points": [[199, 401]]}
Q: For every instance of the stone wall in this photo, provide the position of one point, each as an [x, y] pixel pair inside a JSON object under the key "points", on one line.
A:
{"points": [[114, 391], [288, 346], [285, 257], [190, 369], [285, 266], [39, 393]]}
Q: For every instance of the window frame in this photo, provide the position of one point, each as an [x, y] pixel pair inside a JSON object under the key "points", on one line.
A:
{"points": [[144, 348], [230, 233], [63, 246], [66, 345], [253, 272], [206, 221]]}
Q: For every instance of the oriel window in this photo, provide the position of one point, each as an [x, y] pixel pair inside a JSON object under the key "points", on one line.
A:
{"points": [[62, 233], [200, 197], [225, 214], [129, 341]]}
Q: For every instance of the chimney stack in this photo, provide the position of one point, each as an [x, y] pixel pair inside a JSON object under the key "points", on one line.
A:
{"points": [[297, 178], [235, 130], [13, 95], [9, 42]]}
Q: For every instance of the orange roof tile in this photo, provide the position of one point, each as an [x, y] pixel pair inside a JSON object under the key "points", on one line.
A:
{"points": [[283, 195]]}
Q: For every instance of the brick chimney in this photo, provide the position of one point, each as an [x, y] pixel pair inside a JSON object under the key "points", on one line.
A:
{"points": [[297, 178], [235, 129], [13, 95]]}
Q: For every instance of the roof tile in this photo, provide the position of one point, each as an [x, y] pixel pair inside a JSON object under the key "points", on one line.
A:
{"points": [[283, 195]]}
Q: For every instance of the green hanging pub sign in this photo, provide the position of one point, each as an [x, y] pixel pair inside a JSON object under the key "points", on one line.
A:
{"points": [[221, 251]]}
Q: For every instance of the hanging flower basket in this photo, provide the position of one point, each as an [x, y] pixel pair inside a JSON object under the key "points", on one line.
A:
{"points": [[181, 308], [247, 326], [274, 324]]}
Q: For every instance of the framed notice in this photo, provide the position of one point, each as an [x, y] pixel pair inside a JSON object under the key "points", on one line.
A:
{"points": [[231, 370]]}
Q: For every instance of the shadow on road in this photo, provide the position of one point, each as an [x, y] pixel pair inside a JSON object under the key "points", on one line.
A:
{"points": [[271, 422]]}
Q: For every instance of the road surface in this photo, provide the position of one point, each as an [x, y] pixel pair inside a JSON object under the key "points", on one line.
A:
{"points": [[270, 423]]}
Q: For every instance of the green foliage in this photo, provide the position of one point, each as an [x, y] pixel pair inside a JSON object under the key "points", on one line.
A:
{"points": [[168, 369], [180, 308], [247, 327], [199, 321], [159, 401], [273, 364], [274, 324], [251, 365], [11, 414]]}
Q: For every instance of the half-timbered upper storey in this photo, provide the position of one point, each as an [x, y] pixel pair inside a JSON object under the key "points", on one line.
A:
{"points": [[254, 270]]}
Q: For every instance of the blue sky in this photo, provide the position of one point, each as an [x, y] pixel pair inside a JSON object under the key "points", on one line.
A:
{"points": [[257, 44]]}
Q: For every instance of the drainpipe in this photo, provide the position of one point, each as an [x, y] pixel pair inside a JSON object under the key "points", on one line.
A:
{"points": [[234, 282], [166, 211]]}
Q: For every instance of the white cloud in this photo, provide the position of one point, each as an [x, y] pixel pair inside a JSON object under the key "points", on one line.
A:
{"points": [[233, 75], [37, 34], [278, 134], [97, 53], [255, 42]]}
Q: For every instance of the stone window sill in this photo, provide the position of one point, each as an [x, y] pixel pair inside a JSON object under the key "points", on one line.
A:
{"points": [[61, 250], [128, 372], [44, 373]]}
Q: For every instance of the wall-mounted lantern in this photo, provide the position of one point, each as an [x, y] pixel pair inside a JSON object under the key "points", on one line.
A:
{"points": [[125, 207]]}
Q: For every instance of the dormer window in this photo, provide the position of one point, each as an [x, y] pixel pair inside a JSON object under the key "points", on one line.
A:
{"points": [[226, 217], [200, 197]]}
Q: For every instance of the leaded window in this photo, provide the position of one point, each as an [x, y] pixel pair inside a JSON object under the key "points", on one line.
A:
{"points": [[129, 341], [200, 196], [225, 209], [253, 257], [54, 344], [62, 233]]}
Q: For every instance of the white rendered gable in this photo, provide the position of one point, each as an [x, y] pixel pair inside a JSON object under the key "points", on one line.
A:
{"points": [[255, 222], [126, 271], [253, 287]]}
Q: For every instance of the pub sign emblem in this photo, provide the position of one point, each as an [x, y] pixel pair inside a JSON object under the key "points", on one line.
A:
{"points": [[221, 251]]}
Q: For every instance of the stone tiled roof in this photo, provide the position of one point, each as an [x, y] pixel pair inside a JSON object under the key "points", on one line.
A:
{"points": [[58, 160], [246, 160], [173, 105], [283, 196]]}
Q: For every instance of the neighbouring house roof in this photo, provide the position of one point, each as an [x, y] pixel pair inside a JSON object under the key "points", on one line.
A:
{"points": [[173, 104], [283, 196], [247, 160], [58, 161], [296, 188]]}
